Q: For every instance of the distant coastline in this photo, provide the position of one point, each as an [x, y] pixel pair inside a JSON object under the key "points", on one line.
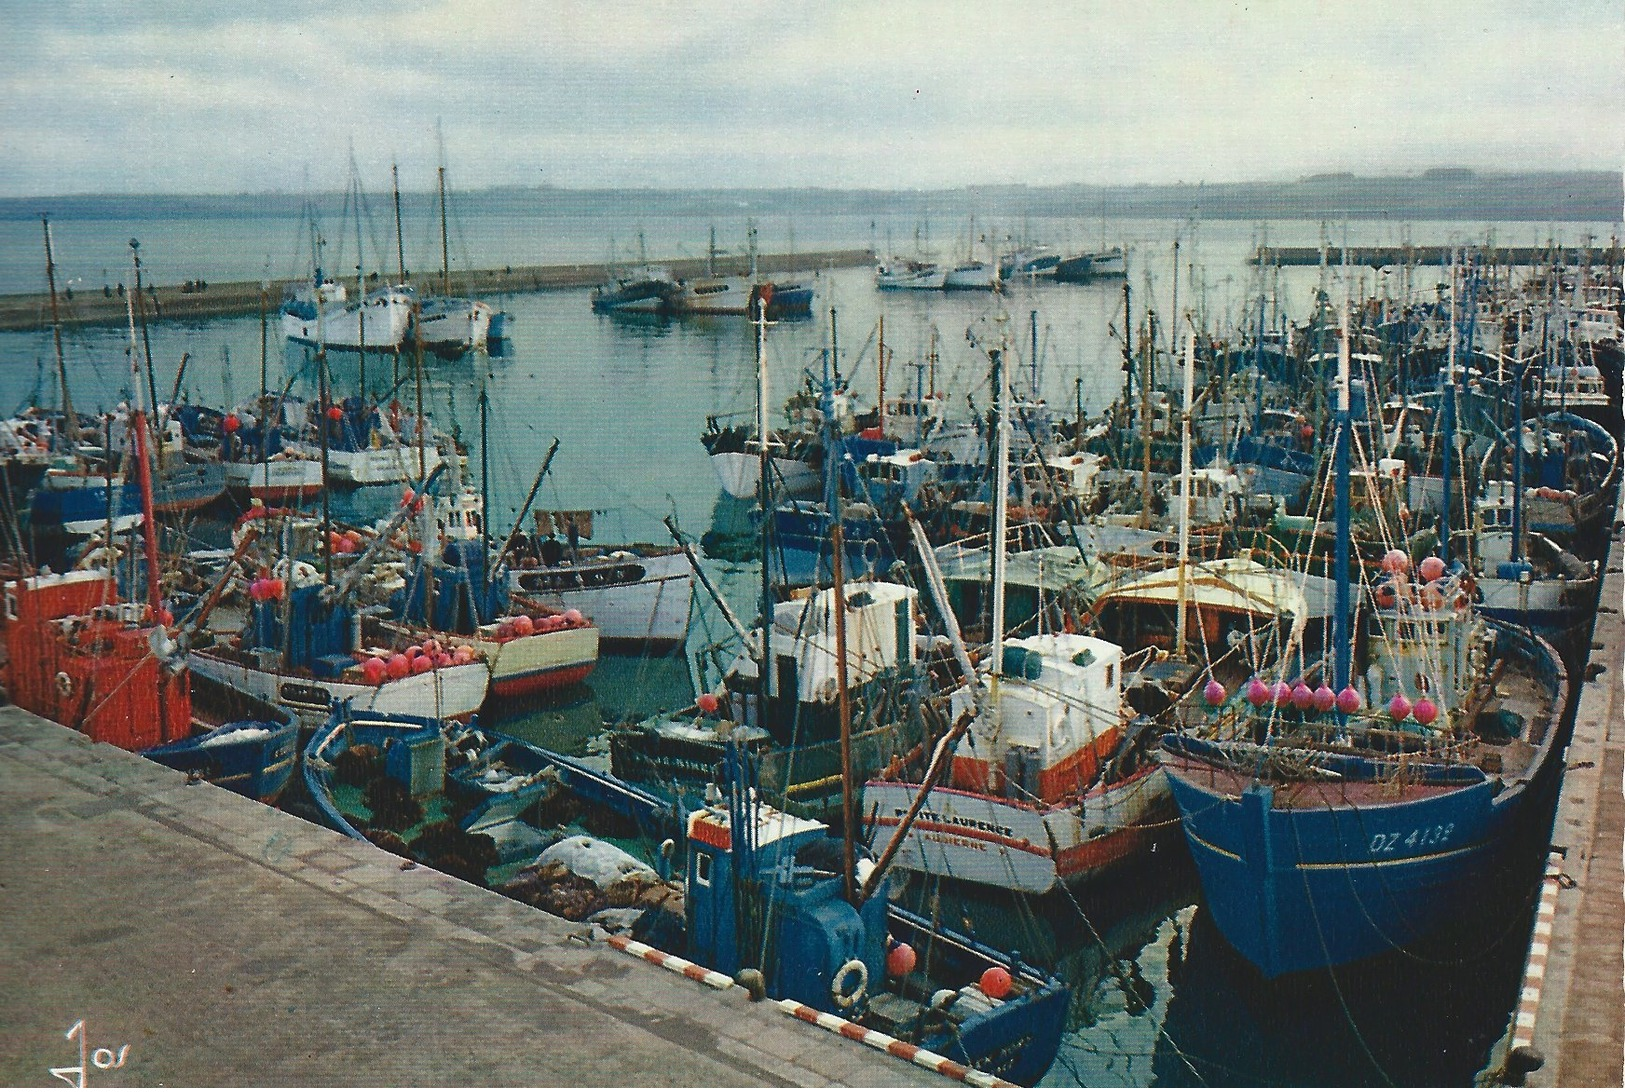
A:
{"points": [[1438, 194]]}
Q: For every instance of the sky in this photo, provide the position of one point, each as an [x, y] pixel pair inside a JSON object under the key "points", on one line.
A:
{"points": [[175, 96]]}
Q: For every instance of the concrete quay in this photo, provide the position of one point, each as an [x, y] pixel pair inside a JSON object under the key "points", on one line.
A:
{"points": [[169, 303], [1571, 1015], [164, 933]]}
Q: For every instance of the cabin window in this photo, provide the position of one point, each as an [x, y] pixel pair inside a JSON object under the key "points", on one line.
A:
{"points": [[702, 869], [1109, 674]]}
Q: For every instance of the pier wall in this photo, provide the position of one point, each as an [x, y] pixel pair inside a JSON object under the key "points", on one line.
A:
{"points": [[168, 303], [1570, 1020], [201, 939]]}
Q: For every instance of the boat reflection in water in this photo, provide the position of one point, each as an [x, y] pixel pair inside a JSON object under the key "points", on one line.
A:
{"points": [[1159, 997]]}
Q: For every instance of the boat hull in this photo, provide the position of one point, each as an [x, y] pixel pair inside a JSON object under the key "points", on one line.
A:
{"points": [[256, 761], [738, 472], [445, 693], [633, 600], [277, 480], [526, 666], [988, 840]]}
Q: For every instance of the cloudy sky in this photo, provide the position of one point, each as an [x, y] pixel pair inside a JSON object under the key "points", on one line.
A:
{"points": [[179, 96]]}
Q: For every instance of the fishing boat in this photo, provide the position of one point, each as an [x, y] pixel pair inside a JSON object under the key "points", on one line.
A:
{"points": [[1047, 777], [323, 314], [796, 459], [449, 325], [458, 596], [1091, 265], [1570, 470], [639, 595], [908, 274], [789, 717], [81, 657], [460, 799], [366, 446], [836, 944], [645, 291], [1370, 813]]}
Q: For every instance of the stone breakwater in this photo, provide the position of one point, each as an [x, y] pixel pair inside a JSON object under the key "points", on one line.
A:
{"points": [[191, 303]]}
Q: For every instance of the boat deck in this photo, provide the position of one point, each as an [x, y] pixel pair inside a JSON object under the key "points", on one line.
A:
{"points": [[226, 943]]}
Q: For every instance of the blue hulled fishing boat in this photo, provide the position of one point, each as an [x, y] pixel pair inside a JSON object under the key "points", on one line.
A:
{"points": [[1369, 814]]}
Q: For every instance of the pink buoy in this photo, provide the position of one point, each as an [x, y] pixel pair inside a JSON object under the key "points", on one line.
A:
{"points": [[276, 587], [1348, 700], [257, 591], [414, 652], [374, 670], [523, 626], [1324, 698], [574, 617], [1213, 692], [1425, 712], [995, 982], [1432, 567], [398, 666], [1386, 596], [463, 655], [1258, 692], [1281, 693], [900, 960], [1399, 707], [421, 664], [431, 646], [1302, 696], [708, 703], [442, 659], [1396, 561], [504, 631]]}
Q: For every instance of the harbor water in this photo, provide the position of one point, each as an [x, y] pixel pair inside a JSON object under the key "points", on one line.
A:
{"points": [[1159, 998]]}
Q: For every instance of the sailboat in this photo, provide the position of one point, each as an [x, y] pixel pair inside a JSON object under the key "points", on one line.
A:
{"points": [[446, 324]]}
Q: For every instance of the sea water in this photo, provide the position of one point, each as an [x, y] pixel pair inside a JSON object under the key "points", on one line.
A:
{"points": [[1159, 998]]}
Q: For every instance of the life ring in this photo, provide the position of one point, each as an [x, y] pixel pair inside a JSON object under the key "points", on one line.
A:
{"points": [[64, 683], [845, 999]]}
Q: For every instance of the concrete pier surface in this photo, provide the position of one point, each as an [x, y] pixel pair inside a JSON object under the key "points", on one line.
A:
{"points": [[1575, 1017], [170, 303], [178, 934]]}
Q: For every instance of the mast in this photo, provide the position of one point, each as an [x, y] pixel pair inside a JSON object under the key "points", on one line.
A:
{"points": [[1147, 348], [138, 428], [1447, 393], [264, 340], [1032, 324], [485, 469], [1001, 497], [1340, 619], [70, 423], [321, 425], [1181, 625], [445, 249], [849, 810], [146, 342], [764, 501], [400, 243], [1517, 462], [880, 371], [360, 289]]}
